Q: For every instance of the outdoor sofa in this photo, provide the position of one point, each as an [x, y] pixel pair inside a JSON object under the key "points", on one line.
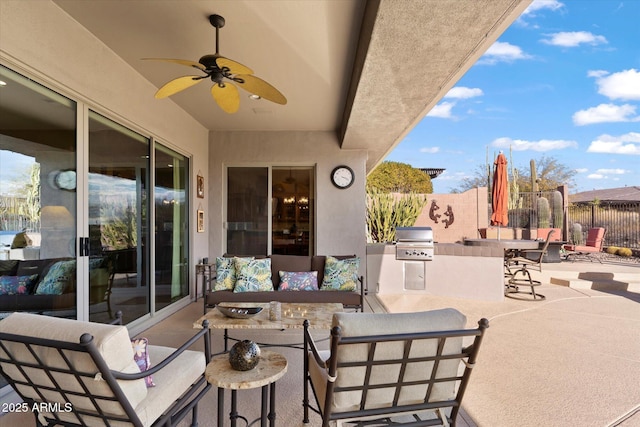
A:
{"points": [[351, 299], [44, 285]]}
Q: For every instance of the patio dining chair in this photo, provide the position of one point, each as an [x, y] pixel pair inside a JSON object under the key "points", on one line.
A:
{"points": [[75, 373], [595, 241], [518, 270], [391, 368]]}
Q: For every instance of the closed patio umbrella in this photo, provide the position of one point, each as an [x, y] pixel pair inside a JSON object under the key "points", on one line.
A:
{"points": [[499, 193]]}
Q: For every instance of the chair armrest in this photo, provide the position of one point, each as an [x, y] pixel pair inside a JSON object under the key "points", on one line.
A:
{"points": [[311, 346], [204, 332]]}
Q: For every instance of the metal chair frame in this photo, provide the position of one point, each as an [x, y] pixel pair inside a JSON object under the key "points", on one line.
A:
{"points": [[362, 416], [32, 373], [520, 264]]}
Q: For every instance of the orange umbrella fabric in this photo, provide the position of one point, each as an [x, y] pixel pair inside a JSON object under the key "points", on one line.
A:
{"points": [[500, 195]]}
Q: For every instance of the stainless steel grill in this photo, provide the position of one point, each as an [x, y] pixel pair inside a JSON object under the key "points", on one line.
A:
{"points": [[414, 243]]}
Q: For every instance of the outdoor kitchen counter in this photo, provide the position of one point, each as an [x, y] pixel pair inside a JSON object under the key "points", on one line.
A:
{"points": [[459, 271]]}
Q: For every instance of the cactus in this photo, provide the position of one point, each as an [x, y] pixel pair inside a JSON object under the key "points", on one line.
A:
{"points": [[534, 176], [625, 252], [556, 209], [385, 212], [544, 214], [515, 201], [576, 233]]}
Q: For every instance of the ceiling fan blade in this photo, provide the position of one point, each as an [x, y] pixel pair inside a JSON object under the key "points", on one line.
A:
{"points": [[227, 97], [186, 62], [259, 87], [176, 85], [233, 66]]}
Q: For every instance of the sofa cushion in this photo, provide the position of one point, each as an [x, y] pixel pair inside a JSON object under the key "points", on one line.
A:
{"points": [[288, 263], [17, 285], [298, 280], [253, 275], [59, 279], [225, 274], [340, 275], [112, 342]]}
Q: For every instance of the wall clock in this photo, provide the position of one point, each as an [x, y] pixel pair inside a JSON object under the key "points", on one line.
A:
{"points": [[342, 176], [65, 180]]}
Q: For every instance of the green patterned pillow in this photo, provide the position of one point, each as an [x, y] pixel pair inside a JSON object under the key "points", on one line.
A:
{"points": [[227, 272], [59, 279], [340, 274], [254, 276]]}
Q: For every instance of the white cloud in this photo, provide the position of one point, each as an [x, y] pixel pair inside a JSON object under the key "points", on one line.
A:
{"points": [[502, 52], [442, 110], [625, 144], [456, 176], [430, 150], [595, 176], [542, 145], [573, 39], [612, 171], [461, 92], [582, 170], [538, 5], [606, 113], [623, 85]]}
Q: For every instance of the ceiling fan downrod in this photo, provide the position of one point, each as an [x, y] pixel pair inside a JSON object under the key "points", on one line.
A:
{"points": [[218, 22]]}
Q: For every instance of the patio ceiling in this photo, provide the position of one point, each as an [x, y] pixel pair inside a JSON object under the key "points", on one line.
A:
{"points": [[367, 70]]}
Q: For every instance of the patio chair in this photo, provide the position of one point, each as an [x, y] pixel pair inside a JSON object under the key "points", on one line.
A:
{"points": [[75, 373], [595, 241], [400, 368], [520, 265]]}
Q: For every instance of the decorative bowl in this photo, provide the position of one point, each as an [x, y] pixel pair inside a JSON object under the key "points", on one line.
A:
{"points": [[239, 312]]}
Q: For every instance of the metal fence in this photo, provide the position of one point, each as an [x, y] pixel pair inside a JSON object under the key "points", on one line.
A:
{"points": [[621, 220]]}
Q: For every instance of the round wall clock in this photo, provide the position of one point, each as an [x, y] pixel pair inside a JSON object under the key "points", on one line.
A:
{"points": [[65, 180], [342, 176]]}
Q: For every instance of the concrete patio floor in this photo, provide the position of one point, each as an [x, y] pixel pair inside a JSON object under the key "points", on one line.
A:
{"points": [[570, 360]]}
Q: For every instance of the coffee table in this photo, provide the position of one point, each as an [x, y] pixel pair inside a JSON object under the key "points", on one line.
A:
{"points": [[319, 315]]}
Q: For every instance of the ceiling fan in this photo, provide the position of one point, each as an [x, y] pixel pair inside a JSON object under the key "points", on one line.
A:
{"points": [[225, 74]]}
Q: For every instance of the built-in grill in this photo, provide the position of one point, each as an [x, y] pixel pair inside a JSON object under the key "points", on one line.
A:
{"points": [[414, 243]]}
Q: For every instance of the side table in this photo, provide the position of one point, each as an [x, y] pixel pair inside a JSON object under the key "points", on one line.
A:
{"points": [[271, 367]]}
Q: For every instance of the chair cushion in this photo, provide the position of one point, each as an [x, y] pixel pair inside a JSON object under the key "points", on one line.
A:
{"points": [[171, 382], [112, 342], [367, 324]]}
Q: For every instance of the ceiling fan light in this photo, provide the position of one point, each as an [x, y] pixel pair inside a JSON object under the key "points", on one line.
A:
{"points": [[254, 97]]}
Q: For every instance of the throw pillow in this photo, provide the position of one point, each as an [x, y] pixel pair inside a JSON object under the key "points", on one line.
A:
{"points": [[254, 276], [227, 272], [59, 278], [141, 356], [17, 285], [298, 281], [340, 275]]}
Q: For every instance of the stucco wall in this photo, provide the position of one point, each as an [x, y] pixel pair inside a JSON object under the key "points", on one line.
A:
{"points": [[340, 214], [470, 212], [41, 41]]}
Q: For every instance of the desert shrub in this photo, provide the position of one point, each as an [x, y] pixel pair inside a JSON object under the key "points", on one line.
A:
{"points": [[612, 250]]}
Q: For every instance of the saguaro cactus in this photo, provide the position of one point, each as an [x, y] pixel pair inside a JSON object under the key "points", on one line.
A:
{"points": [[576, 233], [534, 176], [557, 211], [544, 213]]}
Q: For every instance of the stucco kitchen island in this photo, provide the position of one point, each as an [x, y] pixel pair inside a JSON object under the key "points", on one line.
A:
{"points": [[457, 271]]}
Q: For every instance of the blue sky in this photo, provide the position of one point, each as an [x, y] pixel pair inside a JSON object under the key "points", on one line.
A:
{"points": [[563, 81]]}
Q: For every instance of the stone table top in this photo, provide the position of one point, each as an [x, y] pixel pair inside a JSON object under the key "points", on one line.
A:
{"points": [[319, 315], [271, 367], [503, 243]]}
